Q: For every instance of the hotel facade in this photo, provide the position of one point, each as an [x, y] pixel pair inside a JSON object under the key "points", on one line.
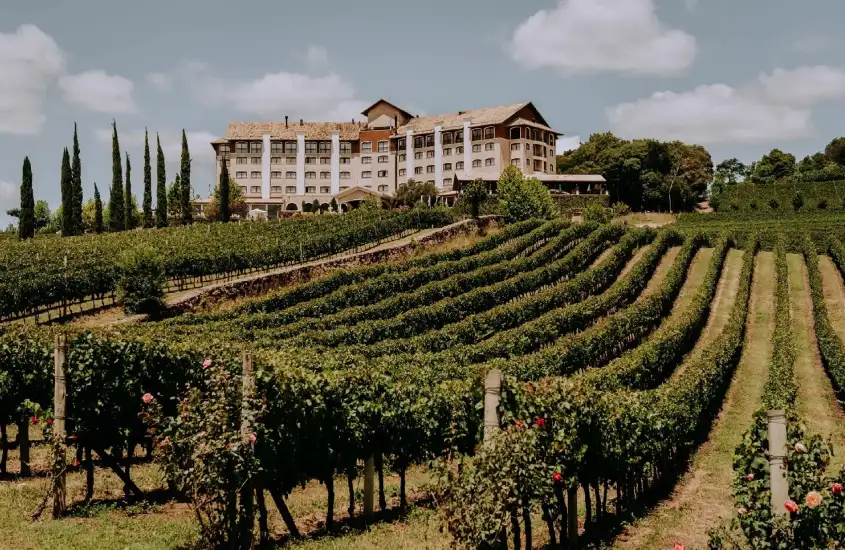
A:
{"points": [[282, 165]]}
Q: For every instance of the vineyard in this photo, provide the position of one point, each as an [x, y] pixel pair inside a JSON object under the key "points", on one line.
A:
{"points": [[628, 366]]}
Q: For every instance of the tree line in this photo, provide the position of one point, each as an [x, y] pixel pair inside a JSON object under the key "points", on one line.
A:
{"points": [[174, 204]]}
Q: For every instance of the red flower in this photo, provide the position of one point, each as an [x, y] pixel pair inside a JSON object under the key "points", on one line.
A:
{"points": [[76, 463], [251, 438], [541, 423], [679, 546], [72, 438], [836, 488], [791, 507], [49, 421], [557, 477], [206, 363], [35, 420]]}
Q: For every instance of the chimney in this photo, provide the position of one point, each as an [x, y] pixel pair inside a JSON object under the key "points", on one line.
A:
{"points": [[301, 123], [286, 122]]}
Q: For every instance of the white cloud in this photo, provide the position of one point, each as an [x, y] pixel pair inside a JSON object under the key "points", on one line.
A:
{"points": [[160, 81], [317, 57], [567, 143], [99, 92], [585, 36], [29, 62], [804, 85], [710, 114]]}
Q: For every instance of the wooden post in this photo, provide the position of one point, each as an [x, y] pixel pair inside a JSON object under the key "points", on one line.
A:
{"points": [[492, 390], [777, 461], [572, 513], [247, 491], [23, 446], [369, 486], [59, 418]]}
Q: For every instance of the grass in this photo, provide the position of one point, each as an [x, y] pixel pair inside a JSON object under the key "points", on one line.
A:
{"points": [[650, 219], [703, 498]]}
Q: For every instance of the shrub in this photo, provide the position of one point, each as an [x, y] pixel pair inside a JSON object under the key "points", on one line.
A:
{"points": [[140, 286], [412, 192], [597, 213], [734, 206], [474, 193], [523, 199], [797, 201], [822, 204], [753, 205], [621, 209], [774, 204]]}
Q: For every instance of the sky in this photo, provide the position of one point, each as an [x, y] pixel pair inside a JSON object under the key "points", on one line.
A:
{"points": [[737, 76]]}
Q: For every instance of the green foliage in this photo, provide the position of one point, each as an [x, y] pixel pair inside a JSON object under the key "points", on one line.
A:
{"points": [[68, 223], [174, 200], [130, 214], [187, 207], [140, 286], [333, 205], [522, 199], [315, 206], [26, 223], [223, 194], [236, 201], [76, 185], [797, 201], [835, 151], [781, 389], [161, 187], [620, 209], [597, 213], [773, 167], [116, 206], [412, 192], [148, 184], [474, 194], [98, 211], [773, 197]]}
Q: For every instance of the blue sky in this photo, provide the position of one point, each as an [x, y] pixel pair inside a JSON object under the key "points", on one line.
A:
{"points": [[738, 76]]}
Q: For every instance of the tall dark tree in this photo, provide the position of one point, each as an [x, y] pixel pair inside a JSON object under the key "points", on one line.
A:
{"points": [[98, 210], [185, 181], [26, 225], [116, 206], [161, 187], [128, 202], [68, 228], [148, 183], [76, 177], [225, 210]]}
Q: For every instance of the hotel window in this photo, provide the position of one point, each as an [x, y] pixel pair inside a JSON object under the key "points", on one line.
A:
{"points": [[418, 142], [255, 189], [430, 182], [551, 139], [514, 146], [325, 175], [489, 146], [418, 155], [476, 163], [290, 189], [402, 172], [429, 169], [459, 150], [345, 160], [325, 147], [366, 160], [447, 151], [325, 189], [255, 160], [429, 140], [514, 133], [310, 189], [382, 188], [290, 147], [345, 175], [275, 160], [447, 138], [402, 157], [401, 143], [276, 189], [489, 132], [382, 173], [290, 175], [459, 165], [276, 147], [490, 161], [535, 134], [243, 189], [476, 148], [383, 146], [418, 170], [447, 166], [382, 159], [515, 162], [447, 182], [224, 148], [459, 137], [290, 160], [242, 147], [527, 162], [476, 134], [310, 160], [255, 146], [325, 160], [366, 174], [310, 175], [345, 148], [366, 146], [240, 160], [429, 154], [255, 175], [311, 147], [276, 175], [240, 175]]}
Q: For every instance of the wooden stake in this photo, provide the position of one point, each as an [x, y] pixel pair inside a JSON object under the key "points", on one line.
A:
{"points": [[369, 486], [492, 390], [59, 418], [777, 461]]}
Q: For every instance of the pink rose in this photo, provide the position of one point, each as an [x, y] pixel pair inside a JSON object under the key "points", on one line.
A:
{"points": [[790, 506], [800, 448], [741, 511], [148, 398], [750, 477], [679, 546], [206, 363], [251, 438], [813, 499], [76, 463]]}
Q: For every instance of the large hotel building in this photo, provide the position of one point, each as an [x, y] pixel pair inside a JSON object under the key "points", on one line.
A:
{"points": [[281, 165]]}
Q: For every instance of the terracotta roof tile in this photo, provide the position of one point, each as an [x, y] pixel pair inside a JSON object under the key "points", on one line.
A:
{"points": [[477, 117], [277, 130]]}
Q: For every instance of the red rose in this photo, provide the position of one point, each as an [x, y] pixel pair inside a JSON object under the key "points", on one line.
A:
{"points": [[541, 423], [791, 507], [557, 477], [49, 421], [35, 420], [72, 438], [76, 463], [836, 488], [678, 546], [750, 477]]}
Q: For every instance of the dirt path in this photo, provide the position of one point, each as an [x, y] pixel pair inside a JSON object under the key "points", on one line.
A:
{"points": [[695, 276], [666, 263], [817, 404], [703, 498]]}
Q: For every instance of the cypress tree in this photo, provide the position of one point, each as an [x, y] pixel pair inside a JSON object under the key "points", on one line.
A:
{"points": [[67, 196], [161, 187], [224, 192], [185, 182], [26, 226], [98, 210], [116, 208], [148, 183], [76, 176], [128, 203]]}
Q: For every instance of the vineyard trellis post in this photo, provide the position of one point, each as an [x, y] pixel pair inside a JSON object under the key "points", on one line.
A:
{"points": [[492, 391], [247, 491], [59, 418], [369, 486], [777, 461]]}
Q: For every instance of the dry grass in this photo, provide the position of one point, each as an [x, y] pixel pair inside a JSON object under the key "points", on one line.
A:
{"points": [[648, 219]]}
